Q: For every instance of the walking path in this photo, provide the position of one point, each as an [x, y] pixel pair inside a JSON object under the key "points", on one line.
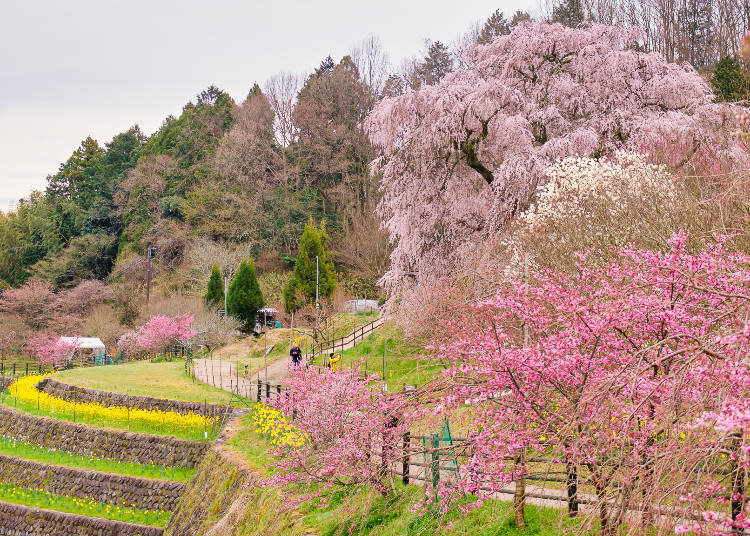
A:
{"points": [[225, 374]]}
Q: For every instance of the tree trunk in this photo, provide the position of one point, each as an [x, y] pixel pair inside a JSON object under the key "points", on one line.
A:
{"points": [[739, 482], [519, 497]]}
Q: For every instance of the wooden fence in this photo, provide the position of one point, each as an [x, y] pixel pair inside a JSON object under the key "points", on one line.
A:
{"points": [[346, 342], [14, 369], [434, 459]]}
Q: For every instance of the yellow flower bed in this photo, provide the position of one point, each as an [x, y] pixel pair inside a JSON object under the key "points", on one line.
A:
{"points": [[273, 424], [25, 392]]}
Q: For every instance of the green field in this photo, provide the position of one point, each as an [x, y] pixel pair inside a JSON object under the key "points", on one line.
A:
{"points": [[143, 378], [85, 507], [24, 451]]}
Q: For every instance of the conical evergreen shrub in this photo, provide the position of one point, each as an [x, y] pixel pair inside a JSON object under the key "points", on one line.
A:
{"points": [[214, 295], [244, 297]]}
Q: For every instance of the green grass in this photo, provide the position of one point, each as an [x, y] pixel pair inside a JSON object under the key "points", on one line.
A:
{"points": [[368, 513], [251, 445], [85, 507], [402, 362], [143, 378], [10, 447]]}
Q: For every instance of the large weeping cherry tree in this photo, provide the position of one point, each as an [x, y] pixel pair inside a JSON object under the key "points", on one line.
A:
{"points": [[460, 158]]}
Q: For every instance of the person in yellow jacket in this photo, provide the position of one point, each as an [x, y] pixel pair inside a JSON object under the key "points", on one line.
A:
{"points": [[334, 362]]}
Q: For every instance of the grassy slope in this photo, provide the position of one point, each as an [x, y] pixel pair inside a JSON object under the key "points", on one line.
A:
{"points": [[143, 378], [367, 513], [402, 363]]}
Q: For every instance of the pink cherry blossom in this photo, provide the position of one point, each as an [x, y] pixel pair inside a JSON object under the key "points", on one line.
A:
{"points": [[460, 158]]}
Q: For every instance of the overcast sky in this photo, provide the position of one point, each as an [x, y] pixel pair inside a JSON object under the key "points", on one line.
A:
{"points": [[69, 69]]}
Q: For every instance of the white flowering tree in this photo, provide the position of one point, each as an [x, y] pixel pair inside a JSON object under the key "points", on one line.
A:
{"points": [[598, 206]]}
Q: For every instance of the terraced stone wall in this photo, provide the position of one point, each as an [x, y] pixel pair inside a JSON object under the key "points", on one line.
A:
{"points": [[100, 442], [17, 520], [143, 493], [81, 394]]}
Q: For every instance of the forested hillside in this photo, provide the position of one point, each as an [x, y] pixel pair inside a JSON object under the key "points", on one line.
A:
{"points": [[230, 179]]}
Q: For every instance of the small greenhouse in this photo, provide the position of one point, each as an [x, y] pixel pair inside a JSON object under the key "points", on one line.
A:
{"points": [[84, 350]]}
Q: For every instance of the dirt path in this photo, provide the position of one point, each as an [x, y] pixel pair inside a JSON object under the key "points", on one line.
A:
{"points": [[222, 374], [226, 375]]}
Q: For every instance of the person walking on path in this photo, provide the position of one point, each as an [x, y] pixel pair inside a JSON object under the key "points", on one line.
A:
{"points": [[296, 354]]}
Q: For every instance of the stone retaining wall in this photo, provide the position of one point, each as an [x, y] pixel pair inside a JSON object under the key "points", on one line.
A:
{"points": [[17, 520], [81, 394], [100, 442], [143, 493]]}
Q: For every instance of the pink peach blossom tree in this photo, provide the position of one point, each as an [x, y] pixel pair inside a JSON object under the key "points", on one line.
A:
{"points": [[162, 331], [52, 349], [636, 372], [159, 333], [350, 432]]}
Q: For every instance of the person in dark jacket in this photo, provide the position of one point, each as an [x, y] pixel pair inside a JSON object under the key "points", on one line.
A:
{"points": [[296, 354]]}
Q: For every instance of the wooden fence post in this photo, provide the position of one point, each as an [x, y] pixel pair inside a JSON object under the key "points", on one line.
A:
{"points": [[738, 480], [435, 461], [406, 461], [259, 389], [572, 482]]}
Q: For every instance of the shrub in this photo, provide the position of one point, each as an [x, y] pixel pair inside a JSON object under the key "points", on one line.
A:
{"points": [[244, 297], [214, 295]]}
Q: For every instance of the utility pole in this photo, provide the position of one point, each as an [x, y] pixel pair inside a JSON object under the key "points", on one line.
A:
{"points": [[148, 273], [265, 330], [225, 296], [385, 344], [317, 294]]}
